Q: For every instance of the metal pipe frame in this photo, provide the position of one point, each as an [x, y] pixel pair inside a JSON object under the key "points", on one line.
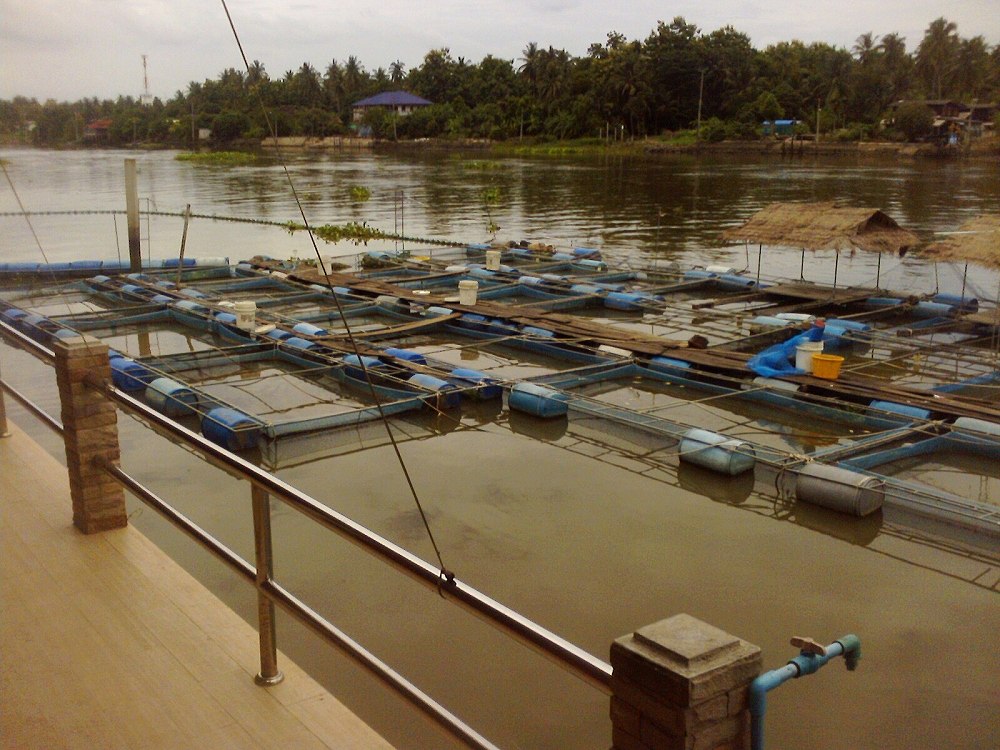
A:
{"points": [[47, 419], [271, 592], [567, 655], [580, 663]]}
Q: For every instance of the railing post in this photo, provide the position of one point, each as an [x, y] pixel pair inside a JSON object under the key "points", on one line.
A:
{"points": [[681, 684], [90, 434], [269, 672], [4, 432]]}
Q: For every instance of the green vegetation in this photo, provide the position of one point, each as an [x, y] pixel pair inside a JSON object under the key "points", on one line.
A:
{"points": [[334, 233], [913, 120], [359, 193], [220, 158], [619, 90]]}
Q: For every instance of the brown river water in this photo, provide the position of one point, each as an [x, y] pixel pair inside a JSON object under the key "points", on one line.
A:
{"points": [[563, 524]]}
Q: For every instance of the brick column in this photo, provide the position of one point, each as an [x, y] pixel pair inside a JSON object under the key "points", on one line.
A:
{"points": [[91, 432], [681, 684]]}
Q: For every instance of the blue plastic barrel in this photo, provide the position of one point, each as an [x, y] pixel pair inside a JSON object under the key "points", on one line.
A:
{"points": [[222, 317], [278, 335], [735, 281], [626, 300], [308, 329], [299, 343], [563, 256], [231, 429], [171, 398], [486, 387], [696, 274], [925, 309], [541, 333], [11, 315], [585, 289], [537, 400], [129, 375], [668, 364], [965, 304], [352, 365], [406, 355], [586, 252], [448, 395]]}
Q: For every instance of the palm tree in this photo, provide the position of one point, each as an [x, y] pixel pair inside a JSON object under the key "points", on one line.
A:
{"points": [[530, 60], [865, 48], [937, 56], [397, 72]]}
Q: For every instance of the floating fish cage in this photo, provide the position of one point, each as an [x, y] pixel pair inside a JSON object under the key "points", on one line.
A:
{"points": [[686, 375]]}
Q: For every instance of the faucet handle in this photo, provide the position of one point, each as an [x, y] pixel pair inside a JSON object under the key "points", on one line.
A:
{"points": [[808, 646]]}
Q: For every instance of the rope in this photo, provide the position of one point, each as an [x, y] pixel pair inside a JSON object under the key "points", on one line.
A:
{"points": [[444, 575]]}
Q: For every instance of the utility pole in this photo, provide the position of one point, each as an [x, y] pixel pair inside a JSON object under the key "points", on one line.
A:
{"points": [[817, 123], [701, 90], [132, 213]]}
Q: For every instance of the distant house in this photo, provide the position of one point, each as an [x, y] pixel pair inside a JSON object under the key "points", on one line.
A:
{"points": [[942, 108], [97, 130], [400, 102], [779, 127]]}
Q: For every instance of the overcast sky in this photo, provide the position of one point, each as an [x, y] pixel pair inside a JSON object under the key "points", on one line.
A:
{"points": [[68, 49]]}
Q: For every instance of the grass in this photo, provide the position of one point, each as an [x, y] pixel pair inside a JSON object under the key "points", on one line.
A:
{"points": [[218, 158]]}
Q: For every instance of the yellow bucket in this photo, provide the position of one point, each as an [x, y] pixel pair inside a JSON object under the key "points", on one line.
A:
{"points": [[827, 366]]}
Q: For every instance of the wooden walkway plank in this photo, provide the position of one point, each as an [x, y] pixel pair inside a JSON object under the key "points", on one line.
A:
{"points": [[106, 642]]}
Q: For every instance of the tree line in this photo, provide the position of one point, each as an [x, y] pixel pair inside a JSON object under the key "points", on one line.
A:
{"points": [[620, 88]]}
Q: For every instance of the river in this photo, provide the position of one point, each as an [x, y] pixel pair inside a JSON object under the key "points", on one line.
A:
{"points": [[560, 525]]}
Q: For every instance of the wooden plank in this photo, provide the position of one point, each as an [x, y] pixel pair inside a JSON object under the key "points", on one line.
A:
{"points": [[107, 643]]}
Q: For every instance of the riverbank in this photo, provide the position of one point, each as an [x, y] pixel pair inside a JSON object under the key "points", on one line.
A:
{"points": [[983, 148]]}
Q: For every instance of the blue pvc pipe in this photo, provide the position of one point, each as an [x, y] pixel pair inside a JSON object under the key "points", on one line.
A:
{"points": [[803, 664]]}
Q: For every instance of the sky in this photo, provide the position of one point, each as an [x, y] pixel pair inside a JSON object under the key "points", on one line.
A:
{"points": [[69, 49]]}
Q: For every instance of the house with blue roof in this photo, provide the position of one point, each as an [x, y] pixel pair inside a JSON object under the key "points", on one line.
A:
{"points": [[401, 103]]}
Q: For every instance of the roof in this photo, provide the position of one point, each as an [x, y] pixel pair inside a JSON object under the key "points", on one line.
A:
{"points": [[102, 124], [976, 241], [819, 226], [392, 99]]}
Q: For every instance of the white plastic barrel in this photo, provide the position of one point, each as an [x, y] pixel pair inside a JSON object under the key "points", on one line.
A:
{"points": [[493, 260], [839, 489], [804, 354], [246, 315], [467, 292]]}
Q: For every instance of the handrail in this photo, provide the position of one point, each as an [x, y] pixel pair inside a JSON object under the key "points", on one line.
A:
{"points": [[579, 662], [304, 614], [47, 419], [567, 655]]}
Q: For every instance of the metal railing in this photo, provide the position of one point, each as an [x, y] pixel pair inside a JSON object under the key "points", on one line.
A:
{"points": [[270, 593]]}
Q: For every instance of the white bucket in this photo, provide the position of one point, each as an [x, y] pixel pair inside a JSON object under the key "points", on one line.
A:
{"points": [[246, 315], [804, 354], [493, 260], [467, 292]]}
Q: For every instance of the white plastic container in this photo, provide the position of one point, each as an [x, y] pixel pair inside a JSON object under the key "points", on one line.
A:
{"points": [[493, 260], [804, 354], [467, 292], [246, 315]]}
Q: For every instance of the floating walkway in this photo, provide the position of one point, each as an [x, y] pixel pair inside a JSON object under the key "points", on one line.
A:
{"points": [[267, 352]]}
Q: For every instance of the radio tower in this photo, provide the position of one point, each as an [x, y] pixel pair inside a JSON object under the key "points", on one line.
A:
{"points": [[146, 99]]}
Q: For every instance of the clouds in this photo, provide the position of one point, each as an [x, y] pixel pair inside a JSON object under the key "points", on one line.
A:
{"points": [[51, 48]]}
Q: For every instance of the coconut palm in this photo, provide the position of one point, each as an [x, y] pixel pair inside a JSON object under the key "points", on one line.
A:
{"points": [[937, 56]]}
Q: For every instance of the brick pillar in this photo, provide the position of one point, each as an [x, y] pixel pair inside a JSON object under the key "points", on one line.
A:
{"points": [[91, 432], [681, 684]]}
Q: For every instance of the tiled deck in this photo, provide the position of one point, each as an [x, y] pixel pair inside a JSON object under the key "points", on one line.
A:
{"points": [[105, 642]]}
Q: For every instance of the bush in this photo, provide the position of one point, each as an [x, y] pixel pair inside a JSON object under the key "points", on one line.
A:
{"points": [[714, 130], [914, 120], [227, 126]]}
